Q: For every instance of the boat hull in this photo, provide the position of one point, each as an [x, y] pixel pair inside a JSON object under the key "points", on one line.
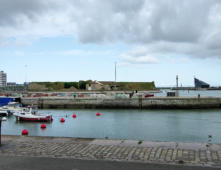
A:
{"points": [[4, 113], [30, 119]]}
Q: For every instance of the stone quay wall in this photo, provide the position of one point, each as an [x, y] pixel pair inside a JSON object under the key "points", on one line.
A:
{"points": [[129, 103]]}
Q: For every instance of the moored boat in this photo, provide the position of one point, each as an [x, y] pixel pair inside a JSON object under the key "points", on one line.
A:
{"points": [[28, 114], [12, 107], [5, 100], [149, 95], [4, 112]]}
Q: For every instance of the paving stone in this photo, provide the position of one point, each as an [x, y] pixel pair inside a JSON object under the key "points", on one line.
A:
{"points": [[219, 155], [147, 154], [112, 150], [180, 154], [208, 155], [169, 155], [163, 155], [215, 156], [174, 156]]}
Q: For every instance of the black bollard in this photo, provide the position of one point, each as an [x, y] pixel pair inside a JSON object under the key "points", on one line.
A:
{"points": [[0, 130]]}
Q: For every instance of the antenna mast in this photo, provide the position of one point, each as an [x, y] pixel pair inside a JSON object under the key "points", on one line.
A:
{"points": [[115, 71]]}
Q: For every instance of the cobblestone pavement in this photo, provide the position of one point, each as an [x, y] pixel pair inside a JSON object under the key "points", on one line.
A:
{"points": [[119, 150]]}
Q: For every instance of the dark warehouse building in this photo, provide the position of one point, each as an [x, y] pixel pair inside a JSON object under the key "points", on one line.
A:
{"points": [[200, 84]]}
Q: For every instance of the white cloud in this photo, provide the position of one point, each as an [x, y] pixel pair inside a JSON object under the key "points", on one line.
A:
{"points": [[139, 56]]}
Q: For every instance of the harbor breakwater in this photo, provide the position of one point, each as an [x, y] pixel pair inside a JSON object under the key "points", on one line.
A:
{"points": [[125, 103]]}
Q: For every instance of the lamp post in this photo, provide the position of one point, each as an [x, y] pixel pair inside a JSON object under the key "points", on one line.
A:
{"points": [[177, 82]]}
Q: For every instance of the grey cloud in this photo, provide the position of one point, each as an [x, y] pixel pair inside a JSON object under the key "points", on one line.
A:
{"points": [[179, 21], [184, 27], [145, 21], [10, 11], [107, 21]]}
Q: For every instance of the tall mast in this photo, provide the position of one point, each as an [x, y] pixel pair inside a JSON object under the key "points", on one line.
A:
{"points": [[115, 71]]}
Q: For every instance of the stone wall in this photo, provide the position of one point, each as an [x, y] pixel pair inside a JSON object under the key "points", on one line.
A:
{"points": [[133, 103]]}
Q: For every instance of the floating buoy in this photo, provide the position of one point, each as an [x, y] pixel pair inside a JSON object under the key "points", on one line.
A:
{"points": [[43, 126], [62, 120], [74, 116], [98, 114], [24, 132]]}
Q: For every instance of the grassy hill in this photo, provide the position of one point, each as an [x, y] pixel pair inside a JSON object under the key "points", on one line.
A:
{"points": [[132, 85], [81, 85]]}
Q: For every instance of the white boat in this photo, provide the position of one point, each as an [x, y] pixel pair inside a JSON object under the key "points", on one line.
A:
{"points": [[4, 112], [31, 115], [12, 107]]}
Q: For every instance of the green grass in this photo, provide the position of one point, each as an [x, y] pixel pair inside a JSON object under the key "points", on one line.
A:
{"points": [[82, 85], [139, 142]]}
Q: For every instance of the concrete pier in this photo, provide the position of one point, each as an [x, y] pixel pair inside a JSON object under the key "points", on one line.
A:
{"points": [[200, 154], [127, 103]]}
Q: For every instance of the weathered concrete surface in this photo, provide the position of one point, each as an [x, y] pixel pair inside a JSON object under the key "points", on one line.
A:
{"points": [[113, 150], [44, 163], [134, 103]]}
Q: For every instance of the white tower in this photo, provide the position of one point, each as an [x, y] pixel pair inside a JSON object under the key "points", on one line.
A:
{"points": [[3, 79], [177, 83]]}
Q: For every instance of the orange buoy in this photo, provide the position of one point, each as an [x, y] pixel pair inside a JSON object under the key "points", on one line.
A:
{"points": [[24, 132], [43, 126], [62, 120], [98, 114], [74, 116]]}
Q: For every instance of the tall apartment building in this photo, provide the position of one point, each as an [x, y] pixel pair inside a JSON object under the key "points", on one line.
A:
{"points": [[3, 79]]}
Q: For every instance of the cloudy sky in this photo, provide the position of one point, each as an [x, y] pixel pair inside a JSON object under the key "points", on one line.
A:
{"points": [[71, 40]]}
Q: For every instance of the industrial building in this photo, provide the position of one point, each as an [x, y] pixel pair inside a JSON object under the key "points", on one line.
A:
{"points": [[3, 79], [200, 84]]}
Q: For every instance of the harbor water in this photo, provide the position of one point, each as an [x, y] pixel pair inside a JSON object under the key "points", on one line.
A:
{"points": [[153, 125]]}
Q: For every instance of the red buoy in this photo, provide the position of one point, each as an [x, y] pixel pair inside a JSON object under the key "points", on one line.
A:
{"points": [[43, 126], [74, 116], [98, 114], [24, 132], [62, 120]]}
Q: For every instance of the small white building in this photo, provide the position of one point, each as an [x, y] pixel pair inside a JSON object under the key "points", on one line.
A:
{"points": [[3, 79]]}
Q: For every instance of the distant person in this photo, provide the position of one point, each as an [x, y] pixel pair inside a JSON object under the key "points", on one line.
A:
{"points": [[131, 94]]}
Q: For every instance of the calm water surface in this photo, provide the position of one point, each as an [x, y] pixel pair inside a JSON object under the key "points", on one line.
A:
{"points": [[155, 125]]}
